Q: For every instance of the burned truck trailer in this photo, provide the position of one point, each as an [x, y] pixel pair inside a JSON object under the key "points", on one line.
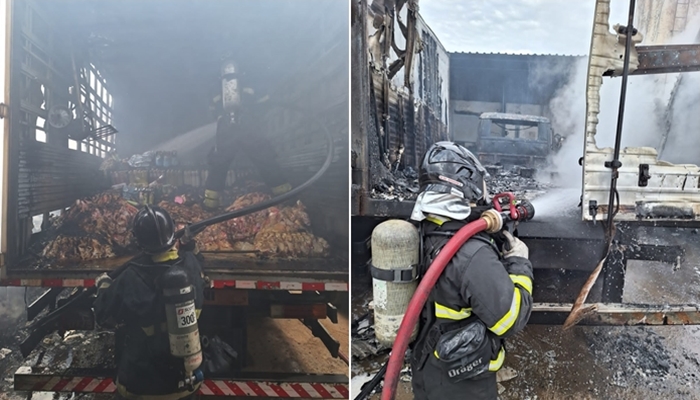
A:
{"points": [[399, 99], [654, 218], [89, 84]]}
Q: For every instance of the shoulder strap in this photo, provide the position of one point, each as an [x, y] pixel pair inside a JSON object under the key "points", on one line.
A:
{"points": [[439, 235]]}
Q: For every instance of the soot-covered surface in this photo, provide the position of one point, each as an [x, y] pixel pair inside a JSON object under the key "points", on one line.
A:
{"points": [[403, 184], [545, 362]]}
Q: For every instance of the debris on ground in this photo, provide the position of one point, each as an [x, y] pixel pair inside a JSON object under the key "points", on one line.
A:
{"points": [[644, 352], [397, 185], [403, 185], [364, 344]]}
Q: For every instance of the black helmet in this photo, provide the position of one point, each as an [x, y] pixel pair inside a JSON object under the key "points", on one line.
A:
{"points": [[447, 167], [154, 230]]}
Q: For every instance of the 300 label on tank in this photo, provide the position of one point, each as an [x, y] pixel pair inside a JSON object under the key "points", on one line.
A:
{"points": [[186, 315]]}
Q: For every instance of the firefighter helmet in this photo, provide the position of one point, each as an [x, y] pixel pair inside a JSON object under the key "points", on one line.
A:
{"points": [[448, 167], [154, 230]]}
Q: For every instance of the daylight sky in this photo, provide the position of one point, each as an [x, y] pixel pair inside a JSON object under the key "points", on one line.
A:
{"points": [[516, 26]]}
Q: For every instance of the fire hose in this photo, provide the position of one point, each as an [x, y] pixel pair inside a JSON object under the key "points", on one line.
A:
{"points": [[39, 329], [491, 221]]}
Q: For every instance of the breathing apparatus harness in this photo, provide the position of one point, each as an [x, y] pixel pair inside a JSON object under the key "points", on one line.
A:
{"points": [[523, 210], [445, 230], [489, 218]]}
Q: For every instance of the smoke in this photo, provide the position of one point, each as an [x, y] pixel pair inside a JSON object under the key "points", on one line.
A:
{"points": [[684, 133], [684, 137], [646, 105], [568, 111], [162, 58], [11, 303], [191, 146]]}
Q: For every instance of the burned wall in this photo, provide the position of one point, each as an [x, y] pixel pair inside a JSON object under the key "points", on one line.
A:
{"points": [[408, 74], [315, 100]]}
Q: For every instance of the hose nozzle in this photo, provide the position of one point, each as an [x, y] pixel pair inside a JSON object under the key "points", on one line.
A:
{"points": [[525, 209], [521, 210]]}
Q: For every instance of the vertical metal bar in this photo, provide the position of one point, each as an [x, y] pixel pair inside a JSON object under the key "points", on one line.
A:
{"points": [[615, 163], [614, 271], [361, 96], [6, 226]]}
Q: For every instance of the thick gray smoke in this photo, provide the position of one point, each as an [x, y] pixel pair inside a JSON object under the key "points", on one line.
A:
{"points": [[11, 304], [192, 146], [684, 133], [162, 58], [645, 115]]}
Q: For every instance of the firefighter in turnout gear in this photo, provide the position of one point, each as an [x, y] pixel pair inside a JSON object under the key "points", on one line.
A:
{"points": [[134, 304], [238, 131], [483, 296]]}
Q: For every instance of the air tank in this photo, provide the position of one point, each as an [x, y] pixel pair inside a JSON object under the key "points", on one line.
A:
{"points": [[395, 257]]}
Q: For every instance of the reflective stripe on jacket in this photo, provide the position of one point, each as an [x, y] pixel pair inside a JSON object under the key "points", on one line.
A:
{"points": [[478, 282]]}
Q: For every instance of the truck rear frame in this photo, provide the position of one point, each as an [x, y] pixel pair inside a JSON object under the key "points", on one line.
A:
{"points": [[46, 170]]}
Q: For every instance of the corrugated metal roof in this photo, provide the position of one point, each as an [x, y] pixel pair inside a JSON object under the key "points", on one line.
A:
{"points": [[509, 78], [516, 54]]}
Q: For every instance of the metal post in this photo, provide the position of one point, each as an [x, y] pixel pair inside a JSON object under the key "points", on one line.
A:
{"points": [[615, 164], [614, 276]]}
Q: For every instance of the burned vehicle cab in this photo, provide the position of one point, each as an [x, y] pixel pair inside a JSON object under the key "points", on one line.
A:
{"points": [[514, 139], [110, 107]]}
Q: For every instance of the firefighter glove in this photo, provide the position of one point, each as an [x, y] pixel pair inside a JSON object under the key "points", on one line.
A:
{"points": [[103, 282], [514, 247]]}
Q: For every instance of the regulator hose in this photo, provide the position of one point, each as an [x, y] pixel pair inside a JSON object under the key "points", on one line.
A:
{"points": [[415, 306]]}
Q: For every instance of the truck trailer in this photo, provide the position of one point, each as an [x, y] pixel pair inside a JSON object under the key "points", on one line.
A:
{"points": [[97, 96]]}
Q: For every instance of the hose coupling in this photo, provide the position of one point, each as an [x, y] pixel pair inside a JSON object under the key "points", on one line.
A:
{"points": [[494, 220]]}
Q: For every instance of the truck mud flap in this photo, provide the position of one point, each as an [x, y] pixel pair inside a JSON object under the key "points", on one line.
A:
{"points": [[611, 314], [265, 386]]}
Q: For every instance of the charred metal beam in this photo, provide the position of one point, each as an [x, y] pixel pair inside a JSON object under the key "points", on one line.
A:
{"points": [[46, 299], [614, 271], [572, 251], [322, 333], [667, 59], [651, 252], [618, 314], [569, 254], [389, 208]]}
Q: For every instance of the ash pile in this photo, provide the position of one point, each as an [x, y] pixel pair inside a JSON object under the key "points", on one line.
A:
{"points": [[515, 179], [368, 355], [364, 343], [402, 185], [636, 356]]}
